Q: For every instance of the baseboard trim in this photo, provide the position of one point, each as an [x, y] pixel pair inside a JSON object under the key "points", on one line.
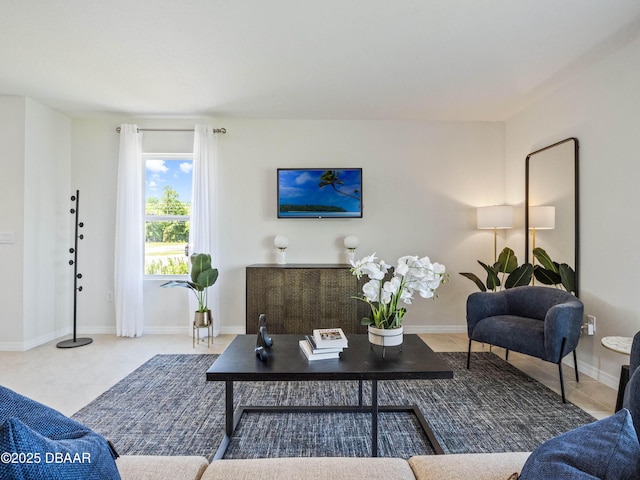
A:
{"points": [[155, 330], [233, 330], [595, 373], [147, 330], [96, 330], [34, 342], [435, 329], [174, 330], [11, 347]]}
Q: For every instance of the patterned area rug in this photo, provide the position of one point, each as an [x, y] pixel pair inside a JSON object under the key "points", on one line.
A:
{"points": [[166, 407]]}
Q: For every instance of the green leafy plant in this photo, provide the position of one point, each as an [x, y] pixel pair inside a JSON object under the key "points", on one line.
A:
{"points": [[506, 273], [202, 277], [553, 273]]}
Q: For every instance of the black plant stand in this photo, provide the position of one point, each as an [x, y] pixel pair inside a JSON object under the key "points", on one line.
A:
{"points": [[75, 342]]}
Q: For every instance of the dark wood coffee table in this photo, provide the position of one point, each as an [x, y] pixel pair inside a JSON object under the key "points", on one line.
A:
{"points": [[238, 363]]}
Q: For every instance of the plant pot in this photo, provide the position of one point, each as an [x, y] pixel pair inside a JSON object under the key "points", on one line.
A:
{"points": [[202, 319], [385, 337]]}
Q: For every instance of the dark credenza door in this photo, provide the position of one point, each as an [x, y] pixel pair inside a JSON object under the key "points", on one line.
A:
{"points": [[300, 297]]}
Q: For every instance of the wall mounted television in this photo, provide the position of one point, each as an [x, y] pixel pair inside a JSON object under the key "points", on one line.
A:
{"points": [[319, 193]]}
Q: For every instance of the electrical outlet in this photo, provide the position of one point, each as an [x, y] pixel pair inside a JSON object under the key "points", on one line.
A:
{"points": [[109, 296], [7, 237], [591, 324]]}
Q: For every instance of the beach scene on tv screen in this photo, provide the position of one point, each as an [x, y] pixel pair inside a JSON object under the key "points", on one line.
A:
{"points": [[320, 193]]}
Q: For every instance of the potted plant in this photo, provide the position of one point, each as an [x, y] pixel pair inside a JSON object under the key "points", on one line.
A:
{"points": [[553, 273], [389, 289], [202, 277], [506, 273]]}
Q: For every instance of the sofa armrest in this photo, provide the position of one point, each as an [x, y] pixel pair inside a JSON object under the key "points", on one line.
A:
{"points": [[150, 467], [485, 304], [474, 466]]}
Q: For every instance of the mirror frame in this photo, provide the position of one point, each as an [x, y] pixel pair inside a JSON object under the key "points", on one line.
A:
{"points": [[576, 205]]}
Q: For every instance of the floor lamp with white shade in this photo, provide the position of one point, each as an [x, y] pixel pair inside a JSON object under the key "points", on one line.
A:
{"points": [[495, 217], [542, 217]]}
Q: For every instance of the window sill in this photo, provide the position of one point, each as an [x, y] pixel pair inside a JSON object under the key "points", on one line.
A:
{"points": [[165, 278]]}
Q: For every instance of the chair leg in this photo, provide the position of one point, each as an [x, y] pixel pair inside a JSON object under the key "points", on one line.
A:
{"points": [[506, 355], [564, 341], [469, 355], [564, 400], [575, 364]]}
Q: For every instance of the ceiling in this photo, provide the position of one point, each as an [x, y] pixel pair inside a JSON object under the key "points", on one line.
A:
{"points": [[464, 60]]}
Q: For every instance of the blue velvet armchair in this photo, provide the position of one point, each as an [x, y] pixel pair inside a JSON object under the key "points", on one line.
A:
{"points": [[539, 321]]}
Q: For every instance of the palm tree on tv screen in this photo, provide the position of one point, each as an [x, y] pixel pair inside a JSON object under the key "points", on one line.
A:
{"points": [[332, 177]]}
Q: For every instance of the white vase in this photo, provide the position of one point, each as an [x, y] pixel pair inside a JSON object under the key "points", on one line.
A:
{"points": [[384, 337]]}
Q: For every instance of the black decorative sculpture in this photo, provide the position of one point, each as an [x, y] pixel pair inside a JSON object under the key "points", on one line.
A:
{"points": [[75, 342], [264, 341]]}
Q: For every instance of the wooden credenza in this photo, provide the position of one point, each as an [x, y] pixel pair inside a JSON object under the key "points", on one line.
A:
{"points": [[300, 297]]}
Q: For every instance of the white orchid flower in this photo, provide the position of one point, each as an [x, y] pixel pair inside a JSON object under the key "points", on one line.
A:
{"points": [[374, 271], [438, 268], [427, 293], [425, 262], [370, 290], [401, 269], [411, 275], [392, 286], [384, 267], [367, 266], [386, 297], [407, 295]]}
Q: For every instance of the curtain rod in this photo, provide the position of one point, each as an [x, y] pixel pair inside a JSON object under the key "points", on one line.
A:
{"points": [[215, 130]]}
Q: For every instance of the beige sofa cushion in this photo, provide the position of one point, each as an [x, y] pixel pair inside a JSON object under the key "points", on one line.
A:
{"points": [[310, 468], [147, 467], [474, 466]]}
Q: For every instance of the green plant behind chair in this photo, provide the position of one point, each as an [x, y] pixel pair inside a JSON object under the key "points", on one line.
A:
{"points": [[553, 273], [506, 273]]}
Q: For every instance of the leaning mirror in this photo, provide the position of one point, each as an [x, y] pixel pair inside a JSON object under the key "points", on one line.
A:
{"points": [[552, 209]]}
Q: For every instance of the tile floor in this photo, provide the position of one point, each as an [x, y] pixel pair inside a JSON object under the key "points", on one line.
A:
{"points": [[68, 379]]}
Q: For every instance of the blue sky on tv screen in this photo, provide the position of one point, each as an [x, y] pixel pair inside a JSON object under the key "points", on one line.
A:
{"points": [[302, 187]]}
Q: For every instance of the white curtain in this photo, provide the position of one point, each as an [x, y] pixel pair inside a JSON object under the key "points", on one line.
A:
{"points": [[129, 248], [202, 232]]}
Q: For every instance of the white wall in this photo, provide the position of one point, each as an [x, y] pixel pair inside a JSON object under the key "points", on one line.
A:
{"points": [[602, 109], [48, 277], [35, 282], [422, 182], [12, 125]]}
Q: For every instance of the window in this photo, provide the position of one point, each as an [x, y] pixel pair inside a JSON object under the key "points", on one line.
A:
{"points": [[167, 209]]}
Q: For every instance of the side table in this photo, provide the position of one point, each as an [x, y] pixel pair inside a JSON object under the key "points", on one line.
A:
{"points": [[620, 345]]}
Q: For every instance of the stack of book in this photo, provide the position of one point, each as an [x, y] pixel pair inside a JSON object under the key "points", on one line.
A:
{"points": [[325, 343]]}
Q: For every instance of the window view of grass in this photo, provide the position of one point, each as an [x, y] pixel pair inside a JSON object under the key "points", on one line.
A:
{"points": [[165, 258], [167, 216]]}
